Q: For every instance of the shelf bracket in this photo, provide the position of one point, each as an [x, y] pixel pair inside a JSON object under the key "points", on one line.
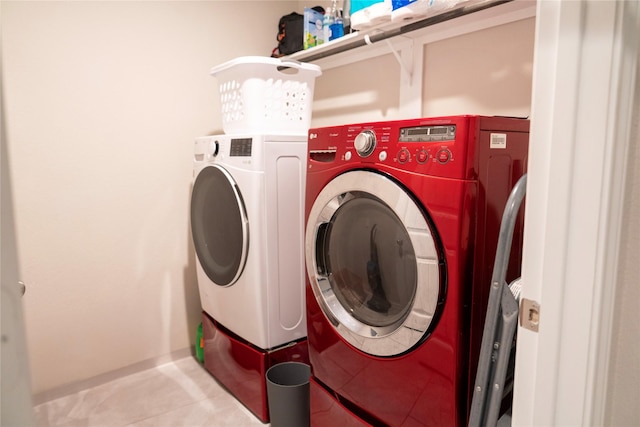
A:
{"points": [[406, 70]]}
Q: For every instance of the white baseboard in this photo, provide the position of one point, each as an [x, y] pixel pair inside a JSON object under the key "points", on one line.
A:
{"points": [[78, 386]]}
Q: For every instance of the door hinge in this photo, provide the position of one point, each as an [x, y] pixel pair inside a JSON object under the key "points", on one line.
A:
{"points": [[529, 314]]}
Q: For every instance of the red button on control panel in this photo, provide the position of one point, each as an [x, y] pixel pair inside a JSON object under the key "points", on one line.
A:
{"points": [[443, 155], [403, 156], [422, 156]]}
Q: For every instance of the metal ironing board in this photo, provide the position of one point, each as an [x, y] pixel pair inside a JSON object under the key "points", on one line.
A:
{"points": [[500, 323]]}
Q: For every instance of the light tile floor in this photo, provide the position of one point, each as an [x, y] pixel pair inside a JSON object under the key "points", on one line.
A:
{"points": [[179, 393]]}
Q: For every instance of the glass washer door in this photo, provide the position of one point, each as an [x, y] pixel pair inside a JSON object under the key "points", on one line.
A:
{"points": [[219, 225], [372, 263]]}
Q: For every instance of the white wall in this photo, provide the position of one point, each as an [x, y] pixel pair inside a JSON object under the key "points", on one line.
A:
{"points": [[102, 103]]}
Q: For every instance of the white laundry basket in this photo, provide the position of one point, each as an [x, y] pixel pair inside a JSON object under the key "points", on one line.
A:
{"points": [[266, 95]]}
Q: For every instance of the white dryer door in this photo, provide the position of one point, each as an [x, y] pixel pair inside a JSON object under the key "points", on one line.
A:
{"points": [[219, 225], [372, 263]]}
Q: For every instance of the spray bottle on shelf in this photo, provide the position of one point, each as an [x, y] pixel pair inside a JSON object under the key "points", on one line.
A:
{"points": [[327, 22]]}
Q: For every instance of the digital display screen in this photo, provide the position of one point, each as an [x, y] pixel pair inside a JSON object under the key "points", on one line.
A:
{"points": [[428, 133], [438, 131], [241, 147]]}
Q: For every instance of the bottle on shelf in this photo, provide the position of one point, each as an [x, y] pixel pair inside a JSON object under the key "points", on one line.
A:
{"points": [[327, 22], [332, 24], [337, 28]]}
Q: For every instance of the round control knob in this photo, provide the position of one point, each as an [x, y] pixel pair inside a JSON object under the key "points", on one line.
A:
{"points": [[403, 156], [365, 143], [443, 156], [215, 148], [422, 156]]}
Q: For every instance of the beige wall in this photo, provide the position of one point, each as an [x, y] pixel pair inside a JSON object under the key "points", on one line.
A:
{"points": [[360, 92], [485, 72], [102, 103]]}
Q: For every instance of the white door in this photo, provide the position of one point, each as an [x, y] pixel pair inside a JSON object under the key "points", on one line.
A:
{"points": [[16, 380], [585, 78]]}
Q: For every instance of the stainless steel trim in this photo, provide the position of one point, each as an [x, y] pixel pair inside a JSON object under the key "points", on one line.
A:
{"points": [[409, 330]]}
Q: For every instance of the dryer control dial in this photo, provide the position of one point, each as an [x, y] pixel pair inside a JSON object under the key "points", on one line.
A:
{"points": [[365, 143]]}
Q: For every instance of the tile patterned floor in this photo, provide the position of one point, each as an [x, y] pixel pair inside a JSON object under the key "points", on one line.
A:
{"points": [[179, 393]]}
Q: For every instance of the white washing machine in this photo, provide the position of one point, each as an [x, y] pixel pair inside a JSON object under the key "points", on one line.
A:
{"points": [[247, 216]]}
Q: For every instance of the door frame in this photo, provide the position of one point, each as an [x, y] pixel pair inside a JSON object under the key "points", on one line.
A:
{"points": [[585, 65]]}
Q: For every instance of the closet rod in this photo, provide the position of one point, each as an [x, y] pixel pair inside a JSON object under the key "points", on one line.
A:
{"points": [[376, 36]]}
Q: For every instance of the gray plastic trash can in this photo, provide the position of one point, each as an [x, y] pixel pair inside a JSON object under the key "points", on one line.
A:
{"points": [[288, 394]]}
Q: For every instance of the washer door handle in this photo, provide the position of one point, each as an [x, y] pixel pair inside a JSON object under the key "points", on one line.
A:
{"points": [[321, 261]]}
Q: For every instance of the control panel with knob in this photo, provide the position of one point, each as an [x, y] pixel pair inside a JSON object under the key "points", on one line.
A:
{"points": [[446, 147], [365, 143]]}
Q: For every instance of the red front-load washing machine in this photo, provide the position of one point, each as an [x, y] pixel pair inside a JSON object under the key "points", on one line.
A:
{"points": [[402, 223]]}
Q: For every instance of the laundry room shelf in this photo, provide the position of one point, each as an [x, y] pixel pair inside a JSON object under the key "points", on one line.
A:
{"points": [[466, 18]]}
